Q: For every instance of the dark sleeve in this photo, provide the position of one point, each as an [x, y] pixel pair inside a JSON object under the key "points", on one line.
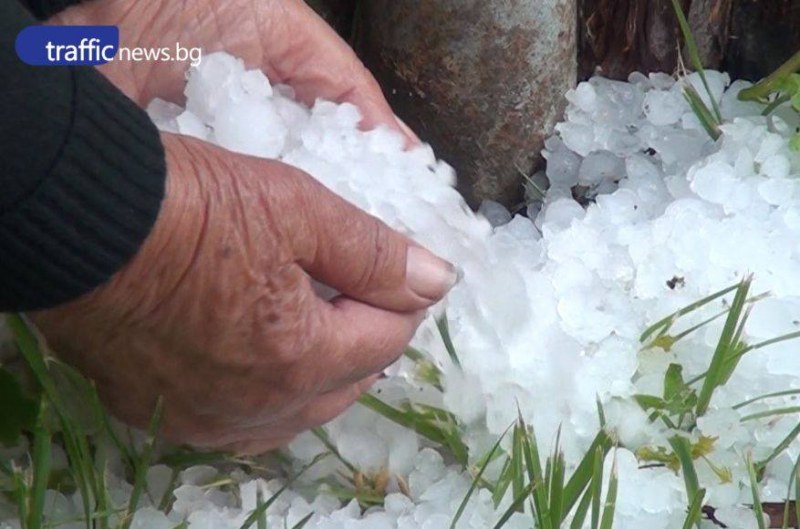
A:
{"points": [[43, 9], [82, 175]]}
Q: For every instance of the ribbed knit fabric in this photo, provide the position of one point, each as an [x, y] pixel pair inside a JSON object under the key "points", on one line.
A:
{"points": [[43, 9], [82, 175]]}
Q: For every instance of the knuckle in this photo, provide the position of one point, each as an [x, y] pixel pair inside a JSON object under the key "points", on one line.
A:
{"points": [[380, 265]]}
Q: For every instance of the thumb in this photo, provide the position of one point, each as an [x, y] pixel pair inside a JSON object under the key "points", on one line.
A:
{"points": [[360, 256]]}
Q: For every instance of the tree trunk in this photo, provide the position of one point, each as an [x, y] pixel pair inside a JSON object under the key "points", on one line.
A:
{"points": [[483, 81], [747, 38]]}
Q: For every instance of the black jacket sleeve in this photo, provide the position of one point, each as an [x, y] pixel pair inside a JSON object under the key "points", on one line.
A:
{"points": [[82, 175], [43, 9]]}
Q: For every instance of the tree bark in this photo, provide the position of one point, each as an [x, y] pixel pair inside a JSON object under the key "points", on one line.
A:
{"points": [[747, 38]]}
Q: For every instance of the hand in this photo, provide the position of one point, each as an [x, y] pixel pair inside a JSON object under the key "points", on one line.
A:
{"points": [[217, 315], [284, 38]]}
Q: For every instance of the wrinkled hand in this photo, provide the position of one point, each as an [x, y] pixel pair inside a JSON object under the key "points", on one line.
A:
{"points": [[217, 315], [284, 38]]}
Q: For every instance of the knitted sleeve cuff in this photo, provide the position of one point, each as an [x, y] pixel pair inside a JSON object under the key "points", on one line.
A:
{"points": [[93, 209]]}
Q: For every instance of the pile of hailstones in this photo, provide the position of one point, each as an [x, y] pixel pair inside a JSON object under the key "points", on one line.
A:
{"points": [[548, 316]]}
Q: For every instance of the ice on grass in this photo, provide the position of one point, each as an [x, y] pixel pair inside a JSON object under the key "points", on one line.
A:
{"points": [[642, 214], [151, 518]]}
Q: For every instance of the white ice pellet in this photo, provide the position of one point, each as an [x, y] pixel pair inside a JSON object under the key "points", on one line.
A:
{"points": [[256, 84], [600, 166], [190, 125], [584, 97], [664, 107], [495, 213], [714, 182], [711, 89], [737, 518], [150, 518], [250, 127], [547, 317]]}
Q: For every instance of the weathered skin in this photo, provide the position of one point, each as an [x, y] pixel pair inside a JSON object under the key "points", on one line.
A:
{"points": [[481, 81]]}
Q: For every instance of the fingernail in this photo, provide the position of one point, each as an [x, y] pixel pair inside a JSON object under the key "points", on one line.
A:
{"points": [[427, 275], [407, 131]]}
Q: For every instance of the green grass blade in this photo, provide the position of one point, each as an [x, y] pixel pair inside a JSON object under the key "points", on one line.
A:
{"points": [[104, 508], [694, 55], [662, 326], [583, 473], [699, 108], [682, 448], [767, 86], [596, 488], [787, 505], [503, 482], [322, 435], [724, 350], [695, 510], [414, 354], [766, 343], [302, 523], [143, 463], [259, 511], [556, 484], [797, 494], [781, 447], [20, 491], [581, 511], [694, 328], [403, 418], [784, 393], [261, 523], [416, 422], [532, 460], [517, 462], [488, 459], [519, 499], [607, 520], [601, 413], [41, 469], [75, 443], [163, 504], [770, 413], [758, 509], [444, 330], [772, 107]]}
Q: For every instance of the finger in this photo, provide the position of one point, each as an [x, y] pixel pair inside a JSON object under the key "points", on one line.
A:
{"points": [[361, 341], [323, 409], [412, 140], [317, 63], [360, 256], [327, 406]]}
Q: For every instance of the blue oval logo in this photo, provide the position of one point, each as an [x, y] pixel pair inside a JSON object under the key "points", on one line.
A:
{"points": [[67, 45]]}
